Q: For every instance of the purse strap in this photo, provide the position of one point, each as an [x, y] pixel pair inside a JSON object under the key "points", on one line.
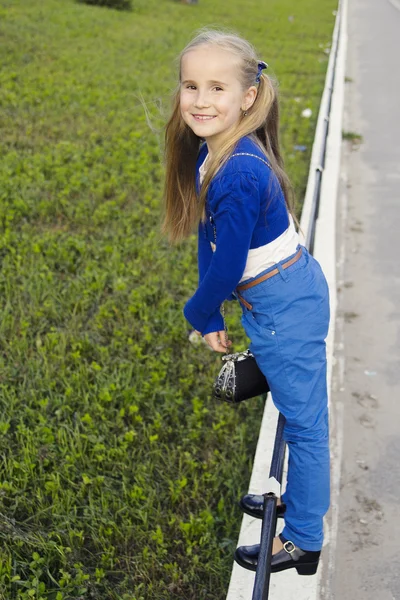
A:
{"points": [[253, 155]]}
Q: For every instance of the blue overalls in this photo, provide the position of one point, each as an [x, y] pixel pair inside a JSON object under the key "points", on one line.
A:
{"points": [[287, 326]]}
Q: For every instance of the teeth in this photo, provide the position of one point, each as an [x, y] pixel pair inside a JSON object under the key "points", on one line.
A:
{"points": [[202, 118]]}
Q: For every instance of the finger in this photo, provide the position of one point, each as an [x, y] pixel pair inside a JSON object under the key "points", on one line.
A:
{"points": [[224, 342], [221, 345], [214, 342], [219, 348]]}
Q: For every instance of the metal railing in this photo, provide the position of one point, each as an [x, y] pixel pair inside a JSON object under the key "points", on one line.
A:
{"points": [[263, 573], [310, 235]]}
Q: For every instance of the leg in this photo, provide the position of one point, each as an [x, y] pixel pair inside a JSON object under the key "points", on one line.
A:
{"points": [[289, 347], [307, 494]]}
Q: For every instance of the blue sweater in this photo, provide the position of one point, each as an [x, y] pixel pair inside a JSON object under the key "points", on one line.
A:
{"points": [[246, 204]]}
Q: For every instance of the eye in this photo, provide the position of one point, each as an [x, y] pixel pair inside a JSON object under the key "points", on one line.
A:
{"points": [[217, 88], [190, 86]]}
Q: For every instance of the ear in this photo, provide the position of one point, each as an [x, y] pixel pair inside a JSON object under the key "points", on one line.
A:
{"points": [[249, 98]]}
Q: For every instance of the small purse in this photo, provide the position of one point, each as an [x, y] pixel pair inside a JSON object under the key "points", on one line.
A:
{"points": [[240, 377]]}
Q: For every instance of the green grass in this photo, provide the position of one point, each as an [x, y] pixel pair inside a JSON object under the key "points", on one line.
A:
{"points": [[119, 475], [353, 137]]}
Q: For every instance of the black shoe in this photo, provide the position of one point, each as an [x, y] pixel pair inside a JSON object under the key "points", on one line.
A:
{"points": [[304, 561], [253, 505]]}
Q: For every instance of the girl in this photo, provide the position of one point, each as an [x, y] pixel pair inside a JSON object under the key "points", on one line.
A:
{"points": [[235, 189]]}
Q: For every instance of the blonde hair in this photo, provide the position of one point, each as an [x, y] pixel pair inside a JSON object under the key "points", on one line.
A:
{"points": [[183, 208]]}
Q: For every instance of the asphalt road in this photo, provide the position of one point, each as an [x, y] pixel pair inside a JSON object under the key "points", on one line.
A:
{"points": [[366, 562]]}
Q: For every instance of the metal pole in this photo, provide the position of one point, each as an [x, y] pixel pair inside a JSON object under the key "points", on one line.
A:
{"points": [[309, 242], [263, 573]]}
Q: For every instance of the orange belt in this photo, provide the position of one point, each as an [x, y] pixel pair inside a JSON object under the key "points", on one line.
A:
{"points": [[251, 284]]}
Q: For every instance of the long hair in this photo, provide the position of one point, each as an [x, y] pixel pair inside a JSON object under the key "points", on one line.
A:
{"points": [[183, 207]]}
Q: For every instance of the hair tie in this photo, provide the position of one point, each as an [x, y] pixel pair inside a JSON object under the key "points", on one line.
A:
{"points": [[261, 65]]}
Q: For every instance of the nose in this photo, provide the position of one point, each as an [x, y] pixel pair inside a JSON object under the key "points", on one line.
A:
{"points": [[201, 99]]}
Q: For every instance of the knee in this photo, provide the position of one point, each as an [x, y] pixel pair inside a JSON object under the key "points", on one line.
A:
{"points": [[308, 428]]}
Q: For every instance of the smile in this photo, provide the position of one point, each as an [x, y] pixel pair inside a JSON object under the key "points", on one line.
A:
{"points": [[203, 117]]}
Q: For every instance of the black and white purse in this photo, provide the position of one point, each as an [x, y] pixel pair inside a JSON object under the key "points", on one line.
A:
{"points": [[240, 378]]}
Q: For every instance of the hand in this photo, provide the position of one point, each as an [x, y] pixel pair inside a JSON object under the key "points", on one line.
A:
{"points": [[216, 341]]}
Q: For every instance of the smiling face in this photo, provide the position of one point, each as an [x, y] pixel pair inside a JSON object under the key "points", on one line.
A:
{"points": [[212, 99]]}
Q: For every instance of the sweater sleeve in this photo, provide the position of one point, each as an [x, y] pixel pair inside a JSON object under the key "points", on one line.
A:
{"points": [[235, 217], [204, 258]]}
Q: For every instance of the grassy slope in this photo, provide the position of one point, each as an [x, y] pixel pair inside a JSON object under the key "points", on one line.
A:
{"points": [[118, 474]]}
